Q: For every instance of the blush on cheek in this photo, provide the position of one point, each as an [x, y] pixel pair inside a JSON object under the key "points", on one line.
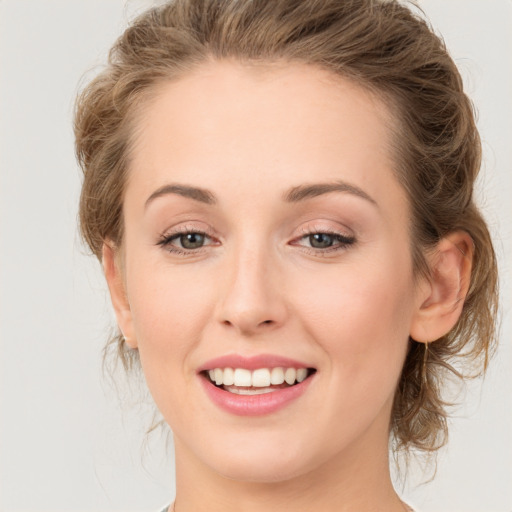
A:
{"points": [[170, 312], [363, 320]]}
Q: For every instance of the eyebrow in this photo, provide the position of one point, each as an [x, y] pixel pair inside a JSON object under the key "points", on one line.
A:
{"points": [[294, 195], [302, 192], [197, 194]]}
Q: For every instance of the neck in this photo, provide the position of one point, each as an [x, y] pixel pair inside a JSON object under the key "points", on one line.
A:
{"points": [[353, 480]]}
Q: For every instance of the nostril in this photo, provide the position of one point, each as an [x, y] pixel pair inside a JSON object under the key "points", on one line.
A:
{"points": [[248, 323]]}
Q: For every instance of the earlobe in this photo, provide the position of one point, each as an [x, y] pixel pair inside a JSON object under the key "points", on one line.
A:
{"points": [[440, 305], [116, 286]]}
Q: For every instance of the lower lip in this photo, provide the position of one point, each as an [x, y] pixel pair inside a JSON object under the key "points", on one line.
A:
{"points": [[254, 405]]}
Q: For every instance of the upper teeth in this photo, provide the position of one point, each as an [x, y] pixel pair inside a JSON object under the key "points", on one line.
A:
{"points": [[260, 378]]}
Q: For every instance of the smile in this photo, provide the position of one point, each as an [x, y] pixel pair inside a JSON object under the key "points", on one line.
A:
{"points": [[262, 380], [255, 386]]}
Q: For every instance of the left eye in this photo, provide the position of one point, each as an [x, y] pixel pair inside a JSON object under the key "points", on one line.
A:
{"points": [[191, 240], [188, 241], [322, 240]]}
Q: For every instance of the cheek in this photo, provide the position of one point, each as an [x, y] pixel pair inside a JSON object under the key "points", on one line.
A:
{"points": [[169, 312], [361, 318], [360, 321], [169, 309]]}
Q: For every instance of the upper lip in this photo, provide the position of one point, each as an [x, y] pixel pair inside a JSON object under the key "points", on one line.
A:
{"points": [[252, 363]]}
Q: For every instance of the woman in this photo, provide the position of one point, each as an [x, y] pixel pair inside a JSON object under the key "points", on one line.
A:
{"points": [[280, 194]]}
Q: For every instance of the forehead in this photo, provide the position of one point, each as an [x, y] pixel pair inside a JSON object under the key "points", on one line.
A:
{"points": [[282, 125]]}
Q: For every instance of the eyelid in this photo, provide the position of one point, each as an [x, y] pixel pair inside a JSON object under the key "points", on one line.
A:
{"points": [[334, 234], [166, 237], [316, 227], [344, 240], [185, 228]]}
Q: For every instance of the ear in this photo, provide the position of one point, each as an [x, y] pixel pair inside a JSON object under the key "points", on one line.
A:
{"points": [[441, 298], [116, 286]]}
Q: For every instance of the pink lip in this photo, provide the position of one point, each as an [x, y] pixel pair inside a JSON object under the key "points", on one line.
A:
{"points": [[251, 363], [254, 405]]}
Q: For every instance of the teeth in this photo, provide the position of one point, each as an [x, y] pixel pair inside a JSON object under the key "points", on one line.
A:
{"points": [[302, 373], [242, 377], [277, 376], [261, 378], [229, 377], [290, 375], [250, 391]]}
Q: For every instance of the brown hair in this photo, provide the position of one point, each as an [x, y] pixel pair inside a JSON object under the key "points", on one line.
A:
{"points": [[384, 47]]}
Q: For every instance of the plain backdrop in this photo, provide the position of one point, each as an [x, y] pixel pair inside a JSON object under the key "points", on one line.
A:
{"points": [[66, 443]]}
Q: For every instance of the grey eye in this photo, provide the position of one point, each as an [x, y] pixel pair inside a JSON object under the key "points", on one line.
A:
{"points": [[192, 240], [321, 240]]}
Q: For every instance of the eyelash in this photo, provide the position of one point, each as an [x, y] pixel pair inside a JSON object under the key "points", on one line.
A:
{"points": [[166, 240], [342, 241]]}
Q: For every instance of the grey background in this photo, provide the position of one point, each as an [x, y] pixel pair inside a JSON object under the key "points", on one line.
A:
{"points": [[65, 442]]}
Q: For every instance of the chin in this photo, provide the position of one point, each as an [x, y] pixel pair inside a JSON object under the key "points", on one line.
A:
{"points": [[261, 461], [264, 472]]}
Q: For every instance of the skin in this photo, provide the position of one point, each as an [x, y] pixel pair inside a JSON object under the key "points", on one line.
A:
{"points": [[249, 136]]}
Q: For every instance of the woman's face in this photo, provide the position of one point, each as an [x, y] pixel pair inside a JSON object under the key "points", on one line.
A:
{"points": [[264, 229]]}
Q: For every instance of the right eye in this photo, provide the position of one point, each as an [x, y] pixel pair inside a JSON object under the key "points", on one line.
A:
{"points": [[191, 240], [322, 240], [185, 242]]}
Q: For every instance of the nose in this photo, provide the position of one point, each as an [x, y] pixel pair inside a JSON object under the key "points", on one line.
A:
{"points": [[253, 298]]}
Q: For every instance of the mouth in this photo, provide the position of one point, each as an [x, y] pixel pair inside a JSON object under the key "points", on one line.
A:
{"points": [[242, 381]]}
